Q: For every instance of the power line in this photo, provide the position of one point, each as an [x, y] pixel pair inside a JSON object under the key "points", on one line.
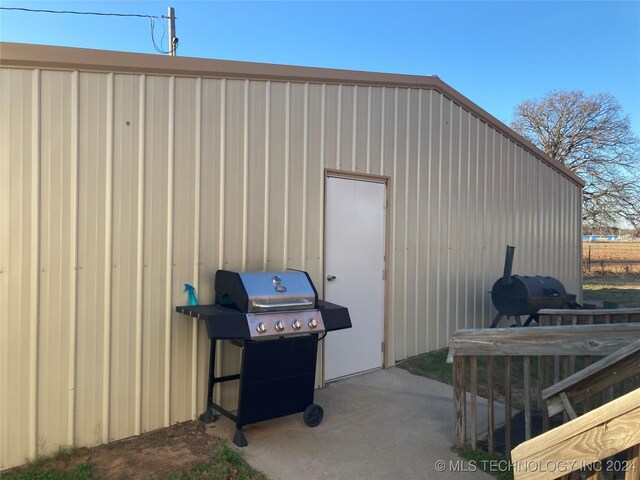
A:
{"points": [[152, 18], [72, 12], [153, 38]]}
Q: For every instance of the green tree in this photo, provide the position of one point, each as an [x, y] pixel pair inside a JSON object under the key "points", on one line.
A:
{"points": [[591, 136]]}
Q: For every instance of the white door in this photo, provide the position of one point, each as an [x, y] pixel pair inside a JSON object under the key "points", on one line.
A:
{"points": [[354, 273]]}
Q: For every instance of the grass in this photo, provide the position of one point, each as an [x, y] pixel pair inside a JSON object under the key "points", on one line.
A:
{"points": [[53, 467], [226, 463], [433, 365], [491, 463], [623, 290]]}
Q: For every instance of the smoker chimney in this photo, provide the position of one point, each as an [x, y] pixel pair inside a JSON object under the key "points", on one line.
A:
{"points": [[508, 266]]}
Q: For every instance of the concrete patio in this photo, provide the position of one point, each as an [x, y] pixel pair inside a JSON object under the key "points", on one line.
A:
{"points": [[380, 425]]}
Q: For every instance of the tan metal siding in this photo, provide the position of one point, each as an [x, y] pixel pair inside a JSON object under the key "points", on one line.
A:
{"points": [[92, 244], [19, 206], [119, 188], [57, 155]]}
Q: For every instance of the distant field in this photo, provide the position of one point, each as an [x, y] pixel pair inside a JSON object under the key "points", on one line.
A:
{"points": [[611, 258]]}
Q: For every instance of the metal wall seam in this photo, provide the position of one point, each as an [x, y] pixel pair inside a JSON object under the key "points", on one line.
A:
{"points": [[494, 231], [305, 159], [35, 271], [354, 128], [460, 239], [470, 224], [428, 219], [449, 161], [287, 151], [322, 166], [221, 219], [140, 253], [223, 149], [531, 201], [169, 258], [484, 224], [383, 102], [579, 250], [245, 173], [369, 129], [338, 126], [108, 225], [405, 268], [267, 158], [394, 209], [196, 245], [73, 281], [439, 216], [419, 221]]}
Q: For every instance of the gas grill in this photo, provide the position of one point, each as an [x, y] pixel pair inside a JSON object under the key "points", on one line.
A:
{"points": [[276, 320]]}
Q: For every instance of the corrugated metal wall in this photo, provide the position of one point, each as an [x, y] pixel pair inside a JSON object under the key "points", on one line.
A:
{"points": [[116, 189]]}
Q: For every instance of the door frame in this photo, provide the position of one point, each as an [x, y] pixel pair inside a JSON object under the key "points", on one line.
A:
{"points": [[387, 330]]}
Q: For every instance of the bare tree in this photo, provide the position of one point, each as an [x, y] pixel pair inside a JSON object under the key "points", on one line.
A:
{"points": [[591, 136]]}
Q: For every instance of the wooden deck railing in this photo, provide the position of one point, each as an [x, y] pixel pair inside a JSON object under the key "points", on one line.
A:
{"points": [[545, 355], [585, 443], [581, 386]]}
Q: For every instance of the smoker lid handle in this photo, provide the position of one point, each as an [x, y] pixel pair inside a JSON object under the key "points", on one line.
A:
{"points": [[282, 306]]}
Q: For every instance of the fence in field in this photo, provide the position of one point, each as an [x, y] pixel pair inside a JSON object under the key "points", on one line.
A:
{"points": [[611, 258], [566, 342]]}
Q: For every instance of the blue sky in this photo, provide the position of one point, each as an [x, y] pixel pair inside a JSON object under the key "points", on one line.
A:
{"points": [[495, 53]]}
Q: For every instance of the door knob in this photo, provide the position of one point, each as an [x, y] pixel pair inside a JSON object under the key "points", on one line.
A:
{"points": [[331, 278]]}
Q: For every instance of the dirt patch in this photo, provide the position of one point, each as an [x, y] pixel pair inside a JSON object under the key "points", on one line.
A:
{"points": [[150, 455]]}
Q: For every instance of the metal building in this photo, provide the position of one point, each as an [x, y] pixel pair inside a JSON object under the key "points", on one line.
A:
{"points": [[124, 176]]}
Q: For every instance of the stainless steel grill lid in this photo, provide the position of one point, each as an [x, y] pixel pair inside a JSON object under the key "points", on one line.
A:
{"points": [[265, 291]]}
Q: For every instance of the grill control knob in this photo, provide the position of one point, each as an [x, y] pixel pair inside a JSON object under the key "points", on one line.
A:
{"points": [[261, 327], [297, 324], [279, 326], [313, 323]]}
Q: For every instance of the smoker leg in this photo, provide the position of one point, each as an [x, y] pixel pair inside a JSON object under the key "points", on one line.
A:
{"points": [[496, 320], [518, 321], [239, 439], [531, 319]]}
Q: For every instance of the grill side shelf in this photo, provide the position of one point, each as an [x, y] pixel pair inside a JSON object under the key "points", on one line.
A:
{"points": [[335, 317], [222, 322]]}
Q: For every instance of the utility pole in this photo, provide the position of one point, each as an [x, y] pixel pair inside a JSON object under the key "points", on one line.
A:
{"points": [[173, 40]]}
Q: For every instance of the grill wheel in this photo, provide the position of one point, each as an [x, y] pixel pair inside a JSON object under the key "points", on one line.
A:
{"points": [[313, 415]]}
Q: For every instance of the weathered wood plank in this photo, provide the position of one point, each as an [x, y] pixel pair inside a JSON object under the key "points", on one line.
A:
{"points": [[633, 464], [473, 367], [580, 313], [490, 422], [526, 372], [507, 406], [544, 381], [571, 413], [459, 402], [563, 340], [613, 369], [594, 436]]}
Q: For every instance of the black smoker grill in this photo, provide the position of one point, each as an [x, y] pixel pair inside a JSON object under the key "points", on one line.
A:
{"points": [[276, 320], [515, 295]]}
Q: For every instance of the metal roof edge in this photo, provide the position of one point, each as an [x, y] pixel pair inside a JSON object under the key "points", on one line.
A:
{"points": [[72, 58]]}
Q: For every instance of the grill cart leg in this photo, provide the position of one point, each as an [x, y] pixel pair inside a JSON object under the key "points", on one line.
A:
{"points": [[209, 416], [239, 439]]}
